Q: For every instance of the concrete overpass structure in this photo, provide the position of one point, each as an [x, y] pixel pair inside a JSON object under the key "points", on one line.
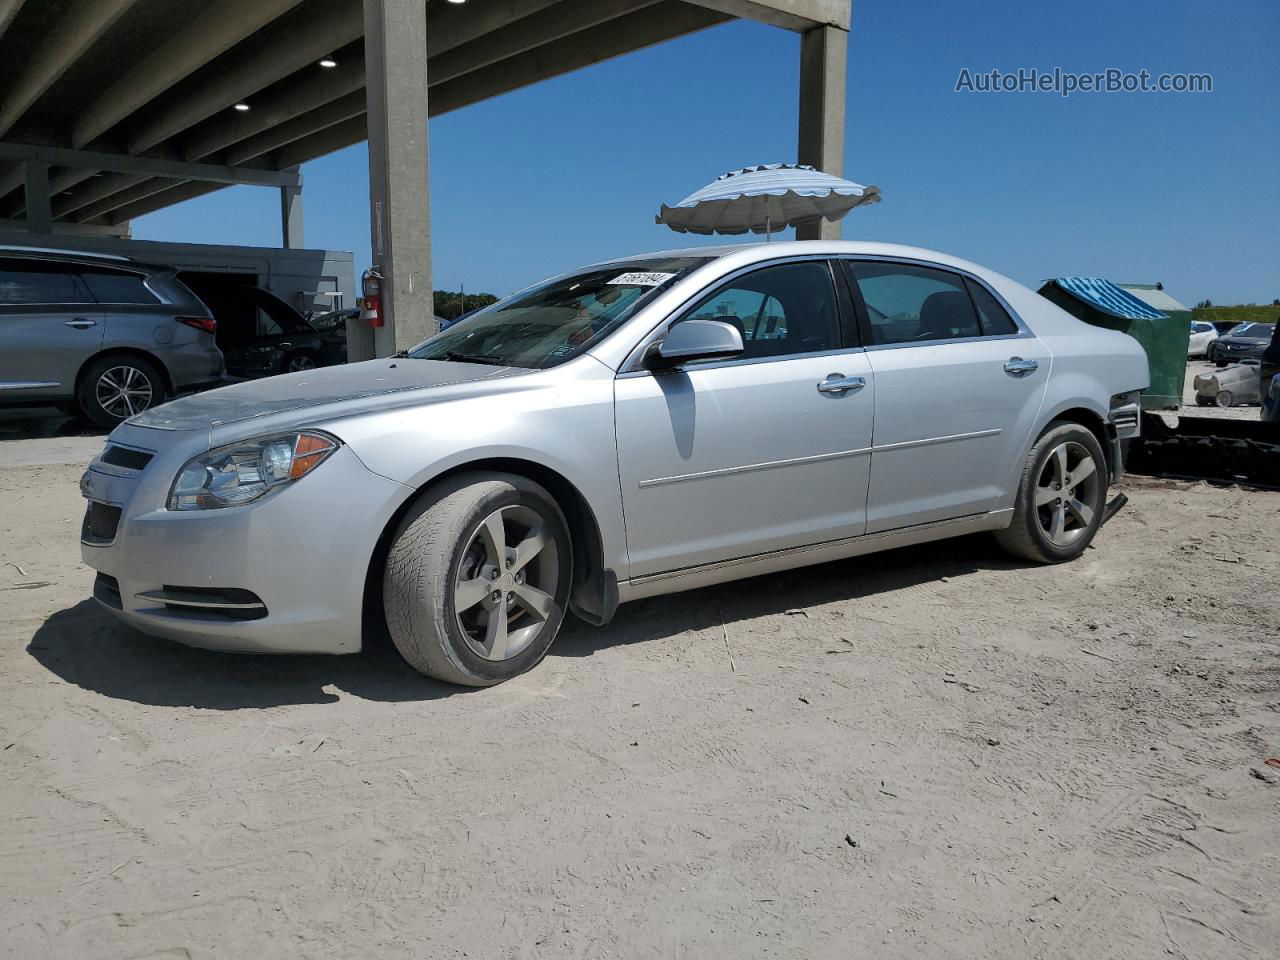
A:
{"points": [[111, 109]]}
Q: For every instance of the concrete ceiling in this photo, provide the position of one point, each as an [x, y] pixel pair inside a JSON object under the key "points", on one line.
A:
{"points": [[160, 80]]}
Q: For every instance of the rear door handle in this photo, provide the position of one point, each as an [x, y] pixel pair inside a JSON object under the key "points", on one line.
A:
{"points": [[839, 383], [1017, 367], [80, 323]]}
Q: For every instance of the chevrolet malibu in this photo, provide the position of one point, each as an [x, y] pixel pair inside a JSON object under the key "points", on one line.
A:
{"points": [[634, 428]]}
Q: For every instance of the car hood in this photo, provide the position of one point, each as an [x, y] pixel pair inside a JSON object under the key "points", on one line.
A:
{"points": [[309, 392], [1243, 341]]}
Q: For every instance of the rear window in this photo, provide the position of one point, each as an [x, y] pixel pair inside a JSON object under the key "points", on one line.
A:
{"points": [[994, 318], [113, 286]]}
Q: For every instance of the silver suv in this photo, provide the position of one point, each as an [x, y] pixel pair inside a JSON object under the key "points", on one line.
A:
{"points": [[105, 337]]}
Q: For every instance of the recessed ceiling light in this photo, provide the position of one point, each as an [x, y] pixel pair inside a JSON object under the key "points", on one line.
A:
{"points": [[457, 1], [242, 107], [328, 63]]}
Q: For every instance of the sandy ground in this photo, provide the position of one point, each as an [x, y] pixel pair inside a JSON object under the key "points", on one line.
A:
{"points": [[931, 753]]}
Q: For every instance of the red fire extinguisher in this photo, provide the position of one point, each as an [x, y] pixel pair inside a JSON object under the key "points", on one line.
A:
{"points": [[371, 297]]}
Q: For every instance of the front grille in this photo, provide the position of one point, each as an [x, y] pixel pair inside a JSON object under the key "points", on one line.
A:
{"points": [[100, 523], [124, 457]]}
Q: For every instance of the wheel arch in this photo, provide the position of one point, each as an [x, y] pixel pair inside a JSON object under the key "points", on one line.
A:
{"points": [[1092, 421], [135, 352], [594, 594]]}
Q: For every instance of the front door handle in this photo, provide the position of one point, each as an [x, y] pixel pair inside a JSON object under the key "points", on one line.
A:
{"points": [[1017, 367], [80, 323], [840, 384]]}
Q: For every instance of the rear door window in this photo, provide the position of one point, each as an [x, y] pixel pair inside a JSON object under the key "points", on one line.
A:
{"points": [[910, 304]]}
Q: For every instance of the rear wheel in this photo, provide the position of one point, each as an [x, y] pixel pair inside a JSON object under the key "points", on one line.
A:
{"points": [[477, 579], [115, 388], [1060, 498]]}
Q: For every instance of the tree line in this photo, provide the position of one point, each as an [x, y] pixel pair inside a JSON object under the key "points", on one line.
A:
{"points": [[450, 304]]}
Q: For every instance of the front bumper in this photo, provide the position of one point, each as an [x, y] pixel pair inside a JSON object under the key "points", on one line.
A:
{"points": [[303, 551]]}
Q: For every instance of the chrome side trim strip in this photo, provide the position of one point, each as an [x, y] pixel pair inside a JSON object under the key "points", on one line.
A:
{"points": [[907, 444], [816, 458], [28, 384], [690, 578], [752, 467]]}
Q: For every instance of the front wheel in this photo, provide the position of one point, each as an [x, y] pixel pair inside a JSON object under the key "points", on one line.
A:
{"points": [[477, 579], [1225, 398], [298, 361], [1060, 498]]}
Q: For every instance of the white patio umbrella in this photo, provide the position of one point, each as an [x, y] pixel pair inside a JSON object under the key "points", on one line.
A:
{"points": [[762, 199]]}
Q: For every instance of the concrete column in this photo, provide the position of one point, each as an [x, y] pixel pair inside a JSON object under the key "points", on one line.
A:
{"points": [[395, 52], [824, 53], [291, 217], [35, 175]]}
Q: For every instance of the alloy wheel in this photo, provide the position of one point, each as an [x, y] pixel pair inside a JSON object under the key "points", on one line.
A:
{"points": [[504, 591], [123, 391], [300, 362], [1066, 492]]}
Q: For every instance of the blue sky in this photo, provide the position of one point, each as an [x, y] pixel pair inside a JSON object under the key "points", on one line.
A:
{"points": [[1181, 188]]}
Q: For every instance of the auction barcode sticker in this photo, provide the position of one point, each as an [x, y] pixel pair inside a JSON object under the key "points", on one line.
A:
{"points": [[642, 279]]}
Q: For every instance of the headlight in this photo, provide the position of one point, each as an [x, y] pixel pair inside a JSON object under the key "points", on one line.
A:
{"points": [[246, 471]]}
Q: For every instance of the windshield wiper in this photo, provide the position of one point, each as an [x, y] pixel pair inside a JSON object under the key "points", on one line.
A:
{"points": [[475, 358]]}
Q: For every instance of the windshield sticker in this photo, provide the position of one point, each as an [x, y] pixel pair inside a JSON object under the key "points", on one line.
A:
{"points": [[642, 279]]}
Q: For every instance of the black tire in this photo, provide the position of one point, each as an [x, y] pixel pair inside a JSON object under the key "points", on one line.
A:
{"points": [[1027, 536], [298, 361], [1203, 401], [1225, 398], [434, 549], [94, 396]]}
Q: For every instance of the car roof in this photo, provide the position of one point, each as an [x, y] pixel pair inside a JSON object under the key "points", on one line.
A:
{"points": [[79, 257], [761, 250]]}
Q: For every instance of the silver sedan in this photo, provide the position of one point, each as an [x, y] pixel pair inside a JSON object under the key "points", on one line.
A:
{"points": [[634, 428]]}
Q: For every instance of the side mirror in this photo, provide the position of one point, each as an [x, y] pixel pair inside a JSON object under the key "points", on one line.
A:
{"points": [[696, 340]]}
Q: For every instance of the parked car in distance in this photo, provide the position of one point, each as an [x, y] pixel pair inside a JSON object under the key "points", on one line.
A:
{"points": [[1270, 359], [1245, 341], [1203, 334], [99, 336], [333, 321], [634, 428], [283, 340], [1270, 412]]}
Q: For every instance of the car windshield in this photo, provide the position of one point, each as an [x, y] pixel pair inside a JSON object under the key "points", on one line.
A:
{"points": [[557, 320], [1254, 331], [325, 322]]}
